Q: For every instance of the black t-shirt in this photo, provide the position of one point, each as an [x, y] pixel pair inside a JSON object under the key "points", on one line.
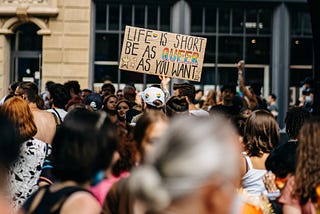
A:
{"points": [[228, 110]]}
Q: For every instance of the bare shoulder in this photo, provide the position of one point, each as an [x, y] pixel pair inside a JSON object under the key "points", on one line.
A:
{"points": [[81, 203]]}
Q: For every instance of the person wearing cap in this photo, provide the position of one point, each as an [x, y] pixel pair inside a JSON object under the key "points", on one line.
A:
{"points": [[153, 99], [94, 100]]}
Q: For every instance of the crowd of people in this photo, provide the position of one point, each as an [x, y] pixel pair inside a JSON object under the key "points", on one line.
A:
{"points": [[72, 150]]}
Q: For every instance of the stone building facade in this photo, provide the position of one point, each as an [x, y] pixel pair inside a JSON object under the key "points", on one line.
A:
{"points": [[64, 27]]}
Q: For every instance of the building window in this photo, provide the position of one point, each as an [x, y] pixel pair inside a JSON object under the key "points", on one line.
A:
{"points": [[111, 20], [301, 54], [232, 33]]}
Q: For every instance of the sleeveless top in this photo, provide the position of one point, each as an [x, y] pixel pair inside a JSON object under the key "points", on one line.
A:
{"points": [[252, 181], [25, 172], [51, 202]]}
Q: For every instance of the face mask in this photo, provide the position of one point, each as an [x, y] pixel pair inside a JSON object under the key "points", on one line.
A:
{"points": [[47, 104], [308, 99]]}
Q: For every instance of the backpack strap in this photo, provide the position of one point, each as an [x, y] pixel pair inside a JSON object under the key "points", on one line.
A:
{"points": [[55, 118], [58, 116]]}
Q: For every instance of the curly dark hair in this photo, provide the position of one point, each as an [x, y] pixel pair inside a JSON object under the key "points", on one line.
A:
{"points": [[282, 160], [261, 133], [59, 95], [307, 175], [294, 120]]}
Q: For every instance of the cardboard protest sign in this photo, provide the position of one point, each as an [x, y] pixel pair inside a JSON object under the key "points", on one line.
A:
{"points": [[162, 53]]}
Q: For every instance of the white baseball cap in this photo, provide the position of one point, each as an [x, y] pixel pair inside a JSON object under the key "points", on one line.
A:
{"points": [[150, 94]]}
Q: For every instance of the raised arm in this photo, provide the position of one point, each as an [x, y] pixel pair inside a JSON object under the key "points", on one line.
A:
{"points": [[251, 97]]}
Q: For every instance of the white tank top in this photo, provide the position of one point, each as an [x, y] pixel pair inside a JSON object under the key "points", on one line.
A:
{"points": [[252, 181]]}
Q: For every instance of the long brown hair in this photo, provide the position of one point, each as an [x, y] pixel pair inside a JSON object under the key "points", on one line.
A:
{"points": [[307, 175], [261, 133], [21, 116]]}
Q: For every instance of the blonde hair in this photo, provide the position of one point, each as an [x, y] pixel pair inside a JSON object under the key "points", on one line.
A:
{"points": [[211, 100]]}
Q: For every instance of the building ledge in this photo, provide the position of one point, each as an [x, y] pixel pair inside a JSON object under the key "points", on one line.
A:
{"points": [[32, 7]]}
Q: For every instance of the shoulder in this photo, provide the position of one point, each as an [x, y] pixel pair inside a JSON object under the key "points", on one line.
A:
{"points": [[286, 197], [81, 202]]}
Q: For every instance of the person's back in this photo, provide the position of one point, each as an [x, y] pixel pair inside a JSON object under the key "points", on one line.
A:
{"points": [[44, 120], [46, 125], [261, 135]]}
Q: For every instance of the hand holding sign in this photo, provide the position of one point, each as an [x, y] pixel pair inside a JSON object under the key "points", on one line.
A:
{"points": [[162, 53]]}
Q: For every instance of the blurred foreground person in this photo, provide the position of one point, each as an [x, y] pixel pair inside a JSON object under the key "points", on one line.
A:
{"points": [[9, 151], [301, 193], [150, 127], [82, 148], [188, 171]]}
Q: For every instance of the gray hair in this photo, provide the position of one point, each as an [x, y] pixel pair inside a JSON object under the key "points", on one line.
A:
{"points": [[192, 151]]}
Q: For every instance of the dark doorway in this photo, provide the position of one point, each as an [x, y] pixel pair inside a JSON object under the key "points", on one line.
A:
{"points": [[26, 54]]}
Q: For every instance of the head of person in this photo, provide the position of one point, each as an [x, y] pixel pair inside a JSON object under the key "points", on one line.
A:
{"points": [[122, 107], [307, 174], [94, 100], [261, 133], [73, 88], [129, 93], [110, 103], [107, 89], [12, 87], [149, 127], [84, 93], [272, 98], [282, 162], [211, 97], [19, 113], [228, 92], [58, 95], [120, 94], [153, 98], [294, 120], [255, 88], [49, 84], [199, 94], [28, 91], [82, 146], [177, 106], [308, 83], [188, 163], [185, 90]]}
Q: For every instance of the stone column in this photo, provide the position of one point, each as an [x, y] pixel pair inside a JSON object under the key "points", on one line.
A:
{"points": [[4, 65], [280, 59], [181, 22]]}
